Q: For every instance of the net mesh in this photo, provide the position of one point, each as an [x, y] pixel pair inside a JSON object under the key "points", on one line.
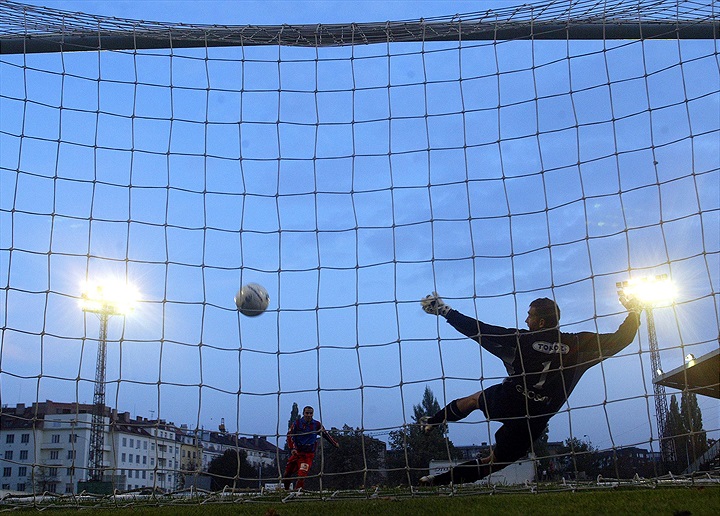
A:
{"points": [[493, 157]]}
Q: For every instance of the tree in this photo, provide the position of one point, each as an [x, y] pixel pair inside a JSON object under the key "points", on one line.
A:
{"points": [[294, 414], [356, 463], [232, 469], [696, 438], [429, 406], [581, 457], [676, 431], [411, 449], [685, 427], [41, 479]]}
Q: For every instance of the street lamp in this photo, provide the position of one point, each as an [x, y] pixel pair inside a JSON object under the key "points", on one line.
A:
{"points": [[652, 292], [105, 300]]}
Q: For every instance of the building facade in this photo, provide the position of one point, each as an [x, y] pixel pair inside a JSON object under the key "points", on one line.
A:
{"points": [[45, 447], [260, 452], [145, 454]]}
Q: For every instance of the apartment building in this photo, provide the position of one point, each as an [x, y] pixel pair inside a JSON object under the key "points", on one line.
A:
{"points": [[260, 452], [46, 448], [145, 453]]}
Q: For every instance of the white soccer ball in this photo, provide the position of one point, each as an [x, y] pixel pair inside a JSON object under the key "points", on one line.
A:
{"points": [[252, 299]]}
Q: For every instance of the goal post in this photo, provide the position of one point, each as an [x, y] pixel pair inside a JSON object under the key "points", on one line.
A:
{"points": [[552, 149], [30, 29]]}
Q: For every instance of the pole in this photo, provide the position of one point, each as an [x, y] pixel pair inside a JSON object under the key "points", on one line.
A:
{"points": [[97, 429], [667, 447], [104, 300]]}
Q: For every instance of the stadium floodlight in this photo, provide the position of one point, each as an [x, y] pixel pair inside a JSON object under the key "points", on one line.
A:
{"points": [[104, 299], [650, 291], [108, 297], [689, 358]]}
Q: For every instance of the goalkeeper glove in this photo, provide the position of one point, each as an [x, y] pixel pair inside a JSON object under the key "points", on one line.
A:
{"points": [[631, 304], [434, 305]]}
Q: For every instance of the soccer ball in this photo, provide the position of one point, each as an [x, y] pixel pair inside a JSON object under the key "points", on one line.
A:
{"points": [[252, 299]]}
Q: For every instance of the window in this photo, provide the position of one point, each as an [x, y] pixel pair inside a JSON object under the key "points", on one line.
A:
{"points": [[21, 487], [144, 459], [122, 457], [144, 474], [70, 471], [132, 443], [144, 445], [7, 472], [10, 438], [72, 438], [71, 454], [68, 488], [54, 454], [22, 472], [23, 454], [55, 438], [52, 488], [124, 441], [25, 438], [6, 487], [152, 461], [137, 444], [8, 454], [137, 459], [52, 472]]}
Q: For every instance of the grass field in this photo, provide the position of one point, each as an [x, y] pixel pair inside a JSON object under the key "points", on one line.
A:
{"points": [[676, 501]]}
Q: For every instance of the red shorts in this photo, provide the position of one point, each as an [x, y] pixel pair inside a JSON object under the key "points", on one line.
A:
{"points": [[299, 463]]}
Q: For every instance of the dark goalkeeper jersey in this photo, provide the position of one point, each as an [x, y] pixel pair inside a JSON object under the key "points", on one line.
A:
{"points": [[545, 366]]}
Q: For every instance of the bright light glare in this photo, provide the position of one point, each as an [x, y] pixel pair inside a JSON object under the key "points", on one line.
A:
{"points": [[650, 290], [108, 297], [689, 357]]}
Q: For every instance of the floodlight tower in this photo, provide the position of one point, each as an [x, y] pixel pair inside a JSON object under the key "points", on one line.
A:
{"points": [[652, 292], [104, 300]]}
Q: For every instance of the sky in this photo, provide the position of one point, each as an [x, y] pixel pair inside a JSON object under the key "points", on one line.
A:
{"points": [[351, 202]]}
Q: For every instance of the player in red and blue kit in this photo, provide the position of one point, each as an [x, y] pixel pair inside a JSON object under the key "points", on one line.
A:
{"points": [[302, 440], [544, 365]]}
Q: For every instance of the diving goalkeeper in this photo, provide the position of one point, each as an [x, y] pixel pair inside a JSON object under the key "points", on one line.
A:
{"points": [[543, 364]]}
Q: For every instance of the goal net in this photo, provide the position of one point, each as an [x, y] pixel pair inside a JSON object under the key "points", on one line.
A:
{"points": [[547, 150]]}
